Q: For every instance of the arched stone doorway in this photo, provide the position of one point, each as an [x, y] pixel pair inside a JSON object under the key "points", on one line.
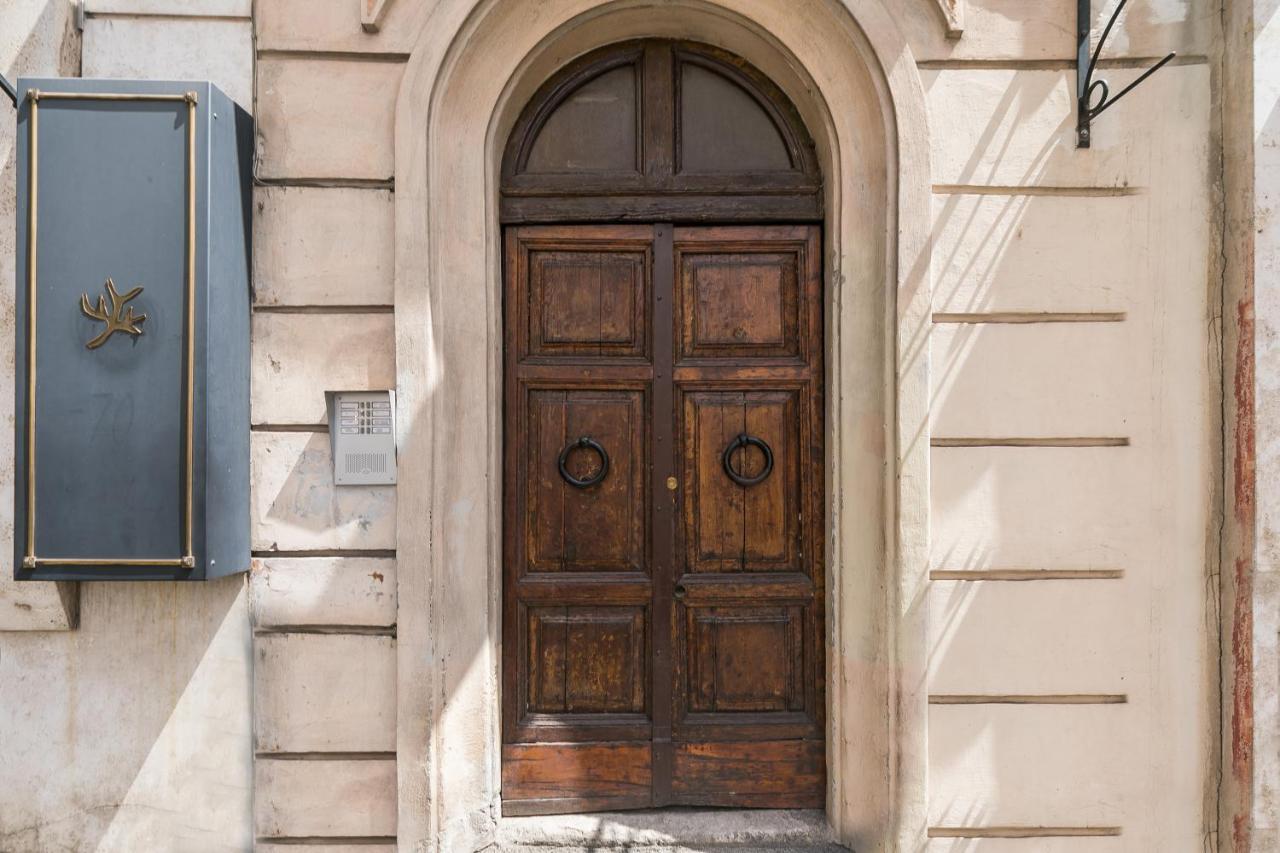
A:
{"points": [[663, 607], [847, 70]]}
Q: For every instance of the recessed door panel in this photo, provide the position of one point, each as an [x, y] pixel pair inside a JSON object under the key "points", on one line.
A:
{"points": [[576, 437], [741, 298], [731, 438], [745, 659], [587, 660], [585, 296]]}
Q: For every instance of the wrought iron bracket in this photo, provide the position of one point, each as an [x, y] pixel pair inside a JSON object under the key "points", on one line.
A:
{"points": [[9, 90], [1089, 107]]}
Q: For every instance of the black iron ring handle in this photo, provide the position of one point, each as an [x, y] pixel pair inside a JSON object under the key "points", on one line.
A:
{"points": [[585, 443], [745, 440]]}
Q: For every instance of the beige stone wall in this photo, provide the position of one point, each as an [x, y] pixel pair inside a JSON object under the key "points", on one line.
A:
{"points": [[1073, 429], [325, 607], [1072, 413], [132, 730]]}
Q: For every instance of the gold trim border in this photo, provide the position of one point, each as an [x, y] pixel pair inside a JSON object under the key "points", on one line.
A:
{"points": [[187, 560]]}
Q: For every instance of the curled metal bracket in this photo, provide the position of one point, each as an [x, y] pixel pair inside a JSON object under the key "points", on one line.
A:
{"points": [[586, 443], [1089, 107], [743, 441]]}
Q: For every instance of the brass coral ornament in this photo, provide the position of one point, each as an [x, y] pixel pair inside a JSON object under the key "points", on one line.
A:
{"points": [[118, 319]]}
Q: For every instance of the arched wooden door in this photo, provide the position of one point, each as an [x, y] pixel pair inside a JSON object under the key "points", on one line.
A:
{"points": [[663, 496]]}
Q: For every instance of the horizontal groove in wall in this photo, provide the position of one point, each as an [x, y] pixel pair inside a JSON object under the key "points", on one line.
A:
{"points": [[328, 552], [164, 16], [339, 55], [315, 840], [327, 756], [1022, 831], [1016, 317], [1068, 192], [324, 309], [1028, 699], [1142, 62], [316, 428], [331, 630], [1025, 574], [1061, 441], [328, 183]]}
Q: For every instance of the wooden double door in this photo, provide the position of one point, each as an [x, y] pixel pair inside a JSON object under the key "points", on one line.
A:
{"points": [[663, 509]]}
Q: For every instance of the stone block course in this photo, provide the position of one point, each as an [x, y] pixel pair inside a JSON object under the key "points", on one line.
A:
{"points": [[324, 693], [334, 25], [1006, 127], [297, 357], [326, 118], [296, 506], [217, 50], [323, 591], [324, 798], [323, 246]]}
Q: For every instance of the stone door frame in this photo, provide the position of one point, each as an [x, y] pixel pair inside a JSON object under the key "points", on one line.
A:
{"points": [[852, 77]]}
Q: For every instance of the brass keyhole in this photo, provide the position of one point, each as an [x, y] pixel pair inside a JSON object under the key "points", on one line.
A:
{"points": [[672, 484]]}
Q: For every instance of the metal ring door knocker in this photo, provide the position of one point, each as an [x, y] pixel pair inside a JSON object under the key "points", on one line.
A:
{"points": [[743, 441], [586, 443]]}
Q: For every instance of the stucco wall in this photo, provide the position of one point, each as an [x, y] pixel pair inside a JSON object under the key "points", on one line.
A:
{"points": [[133, 730]]}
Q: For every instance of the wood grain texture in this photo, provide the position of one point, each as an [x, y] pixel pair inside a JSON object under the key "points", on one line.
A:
{"points": [[664, 494], [659, 130], [671, 620]]}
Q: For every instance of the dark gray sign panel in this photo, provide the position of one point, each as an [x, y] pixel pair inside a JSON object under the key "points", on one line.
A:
{"points": [[132, 444]]}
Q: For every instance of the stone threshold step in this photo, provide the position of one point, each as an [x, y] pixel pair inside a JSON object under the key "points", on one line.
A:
{"points": [[670, 831]]}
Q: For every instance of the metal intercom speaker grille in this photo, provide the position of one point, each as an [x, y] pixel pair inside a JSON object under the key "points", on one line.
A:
{"points": [[364, 463]]}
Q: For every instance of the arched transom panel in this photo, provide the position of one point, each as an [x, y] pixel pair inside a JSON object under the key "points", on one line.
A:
{"points": [[654, 129]]}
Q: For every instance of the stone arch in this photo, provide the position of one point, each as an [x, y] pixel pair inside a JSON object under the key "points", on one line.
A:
{"points": [[851, 76]]}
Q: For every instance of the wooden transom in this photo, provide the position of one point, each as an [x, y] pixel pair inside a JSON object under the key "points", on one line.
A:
{"points": [[660, 130]]}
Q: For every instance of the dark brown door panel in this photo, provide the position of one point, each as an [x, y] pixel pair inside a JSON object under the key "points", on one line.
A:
{"points": [[585, 433], [784, 774], [575, 777], [745, 296], [756, 435], [663, 563], [583, 295]]}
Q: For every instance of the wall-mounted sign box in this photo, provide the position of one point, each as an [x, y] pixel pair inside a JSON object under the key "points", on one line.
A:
{"points": [[132, 428]]}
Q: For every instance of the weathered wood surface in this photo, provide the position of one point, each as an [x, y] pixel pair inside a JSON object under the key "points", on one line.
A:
{"points": [[594, 313]]}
